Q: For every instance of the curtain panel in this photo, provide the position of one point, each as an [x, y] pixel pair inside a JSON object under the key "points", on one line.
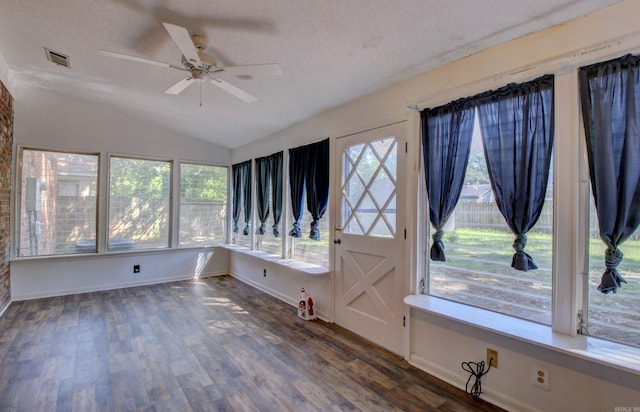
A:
{"points": [[309, 176], [297, 174], [517, 127], [269, 182], [275, 166], [610, 96], [317, 184], [446, 141], [263, 189], [241, 175]]}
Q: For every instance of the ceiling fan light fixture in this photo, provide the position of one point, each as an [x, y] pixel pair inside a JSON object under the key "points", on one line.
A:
{"points": [[198, 75]]}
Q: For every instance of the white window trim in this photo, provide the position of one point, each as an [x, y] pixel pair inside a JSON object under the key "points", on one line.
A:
{"points": [[176, 204], [104, 223], [15, 202]]}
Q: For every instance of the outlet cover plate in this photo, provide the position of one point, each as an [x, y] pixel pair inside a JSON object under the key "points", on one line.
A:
{"points": [[540, 377]]}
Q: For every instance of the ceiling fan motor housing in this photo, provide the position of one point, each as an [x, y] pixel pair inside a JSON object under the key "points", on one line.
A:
{"points": [[207, 64]]}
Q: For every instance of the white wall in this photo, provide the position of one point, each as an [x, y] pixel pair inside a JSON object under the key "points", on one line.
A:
{"points": [[439, 346], [52, 121], [35, 278], [284, 282], [5, 76]]}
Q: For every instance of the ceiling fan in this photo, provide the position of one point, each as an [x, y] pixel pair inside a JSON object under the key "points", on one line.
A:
{"points": [[202, 66]]}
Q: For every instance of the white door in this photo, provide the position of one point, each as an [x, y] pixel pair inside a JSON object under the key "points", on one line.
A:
{"points": [[370, 280]]}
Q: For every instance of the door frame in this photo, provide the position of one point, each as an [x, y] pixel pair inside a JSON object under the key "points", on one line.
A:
{"points": [[406, 167]]}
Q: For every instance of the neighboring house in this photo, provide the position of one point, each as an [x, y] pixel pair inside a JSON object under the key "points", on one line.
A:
{"points": [[478, 193]]}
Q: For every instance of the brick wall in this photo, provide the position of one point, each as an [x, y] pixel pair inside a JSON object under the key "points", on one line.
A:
{"points": [[6, 147]]}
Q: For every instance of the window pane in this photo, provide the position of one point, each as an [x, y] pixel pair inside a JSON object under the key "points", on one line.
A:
{"points": [[307, 249], [240, 238], [268, 242], [58, 203], [203, 204], [478, 249], [139, 204], [368, 188], [614, 316]]}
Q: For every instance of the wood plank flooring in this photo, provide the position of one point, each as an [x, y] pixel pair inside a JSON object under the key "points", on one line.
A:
{"points": [[213, 344]]}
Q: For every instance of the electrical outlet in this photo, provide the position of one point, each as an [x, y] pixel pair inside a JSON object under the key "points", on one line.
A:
{"points": [[136, 268], [540, 377], [492, 357], [264, 273]]}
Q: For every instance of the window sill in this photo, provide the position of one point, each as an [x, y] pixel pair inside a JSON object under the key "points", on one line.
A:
{"points": [[623, 357], [304, 267], [102, 255]]}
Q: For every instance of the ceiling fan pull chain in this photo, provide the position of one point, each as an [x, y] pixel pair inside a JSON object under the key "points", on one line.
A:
{"points": [[200, 93]]}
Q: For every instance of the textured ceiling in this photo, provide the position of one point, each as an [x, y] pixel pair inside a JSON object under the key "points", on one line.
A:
{"points": [[330, 51]]}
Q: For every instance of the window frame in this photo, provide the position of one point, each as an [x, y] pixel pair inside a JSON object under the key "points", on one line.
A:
{"points": [[428, 264], [564, 299], [178, 243], [171, 243], [584, 290], [16, 199]]}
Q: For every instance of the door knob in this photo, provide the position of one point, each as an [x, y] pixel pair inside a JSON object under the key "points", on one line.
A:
{"points": [[337, 242]]}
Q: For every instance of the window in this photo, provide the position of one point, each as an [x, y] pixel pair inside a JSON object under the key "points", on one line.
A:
{"points": [[203, 204], [613, 317], [369, 188], [268, 242], [58, 203], [478, 242], [309, 250], [269, 199], [309, 189], [139, 204], [487, 160], [242, 202], [610, 92]]}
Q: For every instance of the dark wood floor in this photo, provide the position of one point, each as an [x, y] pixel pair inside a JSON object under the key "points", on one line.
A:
{"points": [[211, 344]]}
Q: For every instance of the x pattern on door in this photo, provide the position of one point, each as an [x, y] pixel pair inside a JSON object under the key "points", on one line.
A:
{"points": [[369, 188], [368, 285]]}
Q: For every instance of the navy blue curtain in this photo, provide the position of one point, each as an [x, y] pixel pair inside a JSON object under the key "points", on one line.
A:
{"points": [[446, 140], [309, 175], [317, 183], [275, 166], [610, 94], [241, 175], [269, 180], [516, 122], [297, 173], [263, 188]]}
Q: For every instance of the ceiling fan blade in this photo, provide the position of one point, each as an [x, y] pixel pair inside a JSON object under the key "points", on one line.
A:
{"points": [[236, 91], [181, 37], [180, 86], [140, 59], [271, 69]]}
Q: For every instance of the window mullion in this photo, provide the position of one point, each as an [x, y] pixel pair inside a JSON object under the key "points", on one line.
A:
{"points": [[567, 212]]}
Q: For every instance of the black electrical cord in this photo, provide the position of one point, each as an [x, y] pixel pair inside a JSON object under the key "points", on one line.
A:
{"points": [[476, 370]]}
